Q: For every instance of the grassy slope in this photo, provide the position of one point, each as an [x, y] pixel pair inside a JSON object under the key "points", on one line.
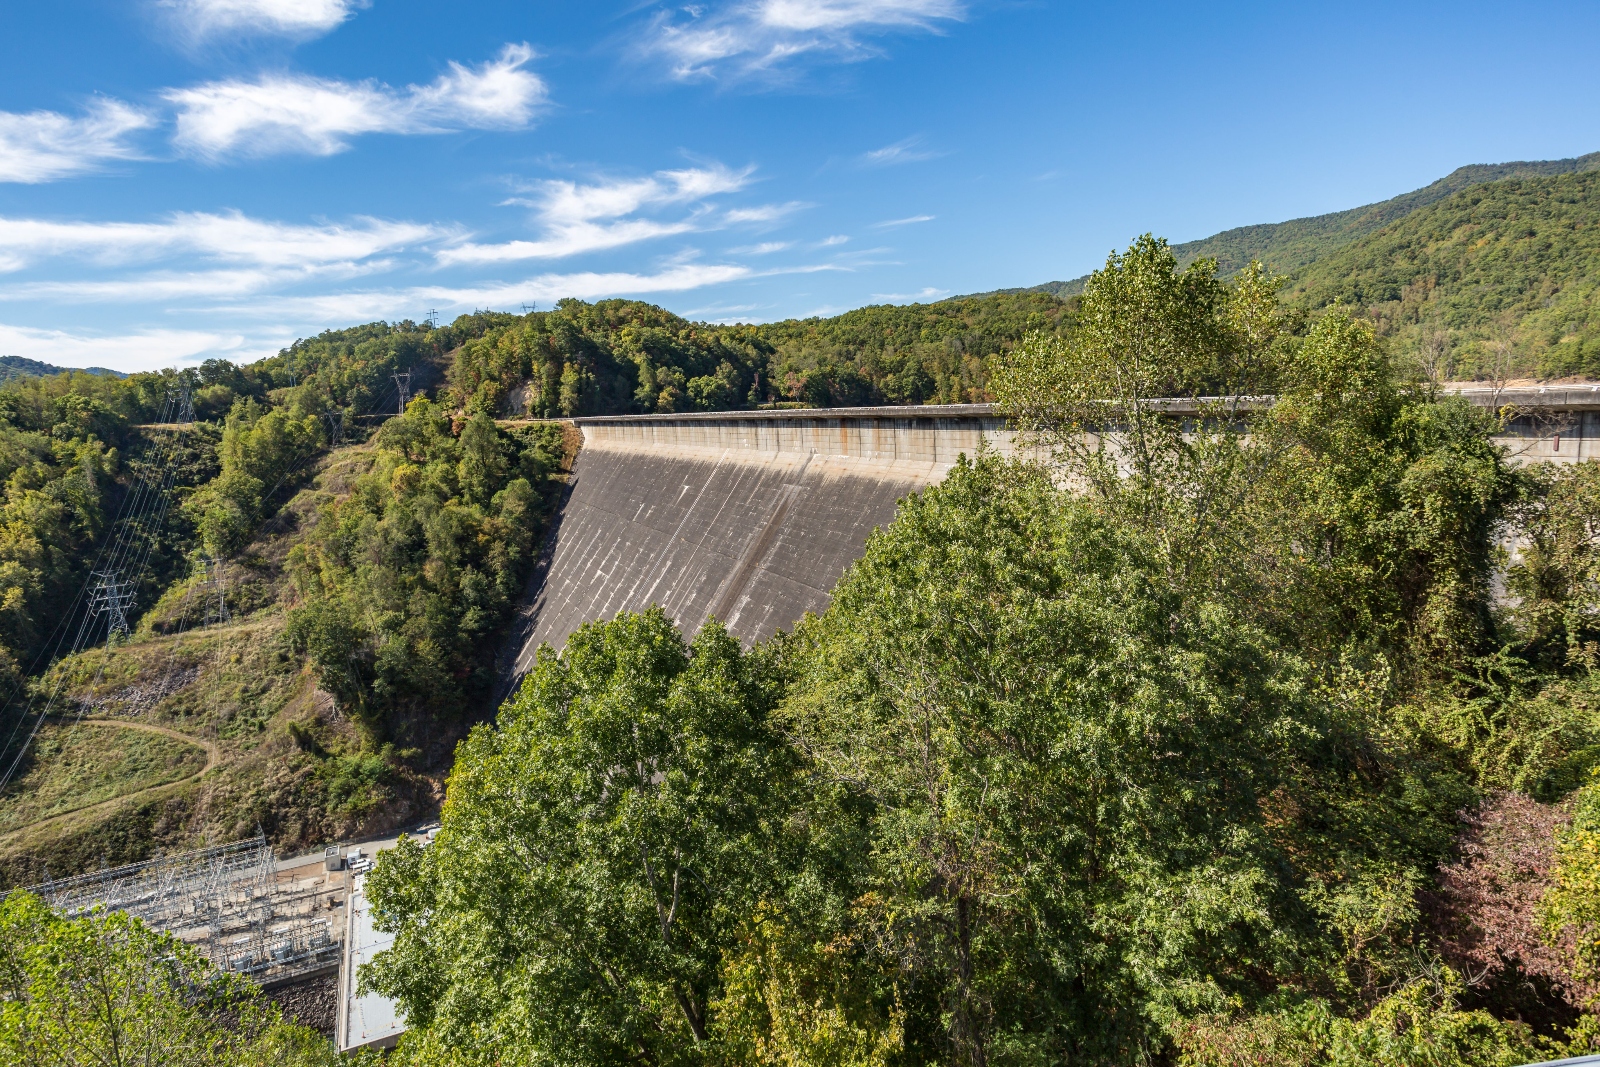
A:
{"points": [[1516, 260], [81, 765]]}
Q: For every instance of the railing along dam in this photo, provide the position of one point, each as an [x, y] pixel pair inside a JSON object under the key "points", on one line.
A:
{"points": [[752, 516]]}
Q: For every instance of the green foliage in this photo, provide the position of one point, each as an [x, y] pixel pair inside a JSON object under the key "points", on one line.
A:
{"points": [[904, 354], [618, 356], [1556, 575], [601, 850], [1421, 1024], [1571, 907], [1066, 769], [70, 454], [261, 451], [1288, 246], [105, 990], [1356, 510], [1494, 281], [789, 1000], [404, 582]]}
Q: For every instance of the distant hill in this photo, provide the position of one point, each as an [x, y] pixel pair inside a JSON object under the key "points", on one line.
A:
{"points": [[18, 367], [1510, 266], [1288, 246]]}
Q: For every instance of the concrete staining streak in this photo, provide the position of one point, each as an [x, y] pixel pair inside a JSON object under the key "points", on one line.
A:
{"points": [[754, 539]]}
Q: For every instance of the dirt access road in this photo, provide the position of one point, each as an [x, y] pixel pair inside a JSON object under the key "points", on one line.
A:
{"points": [[213, 757]]}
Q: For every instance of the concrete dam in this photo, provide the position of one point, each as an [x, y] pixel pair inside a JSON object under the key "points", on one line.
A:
{"points": [[752, 516]]}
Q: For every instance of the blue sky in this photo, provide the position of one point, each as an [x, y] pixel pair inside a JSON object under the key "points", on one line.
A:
{"points": [[181, 179]]}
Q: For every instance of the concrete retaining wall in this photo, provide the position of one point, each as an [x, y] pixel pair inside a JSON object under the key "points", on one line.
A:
{"points": [[752, 516]]}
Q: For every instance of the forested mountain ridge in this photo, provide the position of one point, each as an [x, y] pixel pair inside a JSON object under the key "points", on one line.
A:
{"points": [[1287, 246], [625, 356], [1496, 280], [21, 367]]}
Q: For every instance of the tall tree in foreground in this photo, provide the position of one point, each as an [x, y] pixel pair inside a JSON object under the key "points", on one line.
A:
{"points": [[106, 991], [1066, 769], [600, 850]]}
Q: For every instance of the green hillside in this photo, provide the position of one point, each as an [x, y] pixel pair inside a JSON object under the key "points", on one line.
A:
{"points": [[21, 367], [1503, 274], [1288, 246]]}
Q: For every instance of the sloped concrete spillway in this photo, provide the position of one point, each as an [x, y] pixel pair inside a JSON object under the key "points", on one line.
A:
{"points": [[752, 516]]}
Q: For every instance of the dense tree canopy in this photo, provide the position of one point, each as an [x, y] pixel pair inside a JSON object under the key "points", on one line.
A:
{"points": [[1149, 749]]}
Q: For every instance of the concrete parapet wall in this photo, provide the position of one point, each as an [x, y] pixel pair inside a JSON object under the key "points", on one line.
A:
{"points": [[924, 439], [752, 516]]}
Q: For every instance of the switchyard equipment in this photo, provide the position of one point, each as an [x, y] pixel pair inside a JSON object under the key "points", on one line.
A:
{"points": [[228, 902]]}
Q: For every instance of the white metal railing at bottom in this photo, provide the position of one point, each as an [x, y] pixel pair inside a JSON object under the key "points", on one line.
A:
{"points": [[1565, 1063]]}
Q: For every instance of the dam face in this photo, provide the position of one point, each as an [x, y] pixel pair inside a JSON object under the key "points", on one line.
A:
{"points": [[752, 516]]}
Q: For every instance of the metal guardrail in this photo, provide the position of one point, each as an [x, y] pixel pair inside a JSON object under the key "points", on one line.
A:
{"points": [[1565, 1063]]}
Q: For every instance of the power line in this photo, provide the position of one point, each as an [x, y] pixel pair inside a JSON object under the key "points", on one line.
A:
{"points": [[215, 593], [113, 583]]}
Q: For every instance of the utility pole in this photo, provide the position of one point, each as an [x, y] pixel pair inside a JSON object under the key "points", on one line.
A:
{"points": [[111, 598], [433, 319], [402, 382]]}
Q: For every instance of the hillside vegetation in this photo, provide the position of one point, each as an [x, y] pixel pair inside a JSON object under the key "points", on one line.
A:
{"points": [[1500, 278], [1284, 247], [19, 367], [321, 669], [623, 356]]}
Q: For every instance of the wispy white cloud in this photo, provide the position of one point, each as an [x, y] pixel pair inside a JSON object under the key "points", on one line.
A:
{"points": [[134, 350], [295, 113], [357, 305], [283, 18], [231, 238], [41, 146], [765, 248], [891, 223], [910, 150], [575, 218], [765, 212], [920, 295], [830, 242], [767, 38]]}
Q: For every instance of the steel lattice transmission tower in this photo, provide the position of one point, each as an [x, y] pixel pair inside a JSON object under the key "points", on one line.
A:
{"points": [[215, 593], [402, 382], [335, 427], [111, 597], [185, 403]]}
